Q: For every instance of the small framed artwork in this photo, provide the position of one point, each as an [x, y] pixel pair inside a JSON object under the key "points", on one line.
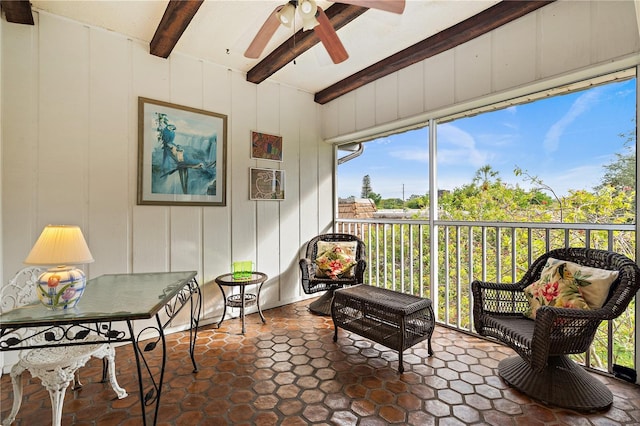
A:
{"points": [[266, 147], [181, 155], [266, 184]]}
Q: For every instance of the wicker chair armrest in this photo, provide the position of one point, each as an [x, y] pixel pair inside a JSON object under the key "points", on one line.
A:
{"points": [[498, 298], [308, 269], [562, 314], [562, 330], [563, 322], [361, 266], [497, 286]]}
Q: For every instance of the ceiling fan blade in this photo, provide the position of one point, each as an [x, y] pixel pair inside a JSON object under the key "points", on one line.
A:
{"points": [[329, 38], [264, 35], [395, 6]]}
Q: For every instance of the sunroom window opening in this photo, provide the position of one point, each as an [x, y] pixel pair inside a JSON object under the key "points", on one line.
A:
{"points": [[568, 158], [387, 177], [514, 179]]}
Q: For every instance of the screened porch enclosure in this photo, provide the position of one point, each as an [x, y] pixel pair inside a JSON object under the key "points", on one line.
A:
{"points": [[552, 169]]}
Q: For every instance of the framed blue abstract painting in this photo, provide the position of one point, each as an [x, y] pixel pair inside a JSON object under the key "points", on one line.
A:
{"points": [[182, 155]]}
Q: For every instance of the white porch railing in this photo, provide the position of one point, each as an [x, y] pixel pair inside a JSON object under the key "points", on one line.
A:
{"points": [[401, 253]]}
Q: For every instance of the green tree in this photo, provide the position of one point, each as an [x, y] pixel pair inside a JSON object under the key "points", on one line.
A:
{"points": [[417, 201], [484, 175], [367, 191], [376, 198], [606, 205], [391, 203], [487, 197], [539, 185], [366, 187], [621, 172]]}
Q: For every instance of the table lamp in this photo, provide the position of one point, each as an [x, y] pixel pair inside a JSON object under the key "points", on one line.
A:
{"points": [[61, 286]]}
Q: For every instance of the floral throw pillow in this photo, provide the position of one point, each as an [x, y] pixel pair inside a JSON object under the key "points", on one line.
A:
{"points": [[567, 284], [336, 260], [593, 283], [552, 289]]}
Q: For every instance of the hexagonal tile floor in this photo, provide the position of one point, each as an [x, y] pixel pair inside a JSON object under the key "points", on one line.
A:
{"points": [[290, 372]]}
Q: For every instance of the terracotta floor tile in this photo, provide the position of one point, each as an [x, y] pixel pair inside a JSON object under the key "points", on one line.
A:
{"points": [[393, 414], [266, 402], [409, 402], [290, 407], [290, 372], [312, 396]]}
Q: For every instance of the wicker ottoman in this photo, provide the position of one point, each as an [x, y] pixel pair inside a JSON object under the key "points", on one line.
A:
{"points": [[395, 320]]}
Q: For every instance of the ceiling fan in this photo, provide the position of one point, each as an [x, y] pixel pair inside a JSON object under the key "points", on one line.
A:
{"points": [[313, 18]]}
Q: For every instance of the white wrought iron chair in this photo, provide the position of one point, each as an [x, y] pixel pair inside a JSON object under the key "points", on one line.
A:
{"points": [[55, 366]]}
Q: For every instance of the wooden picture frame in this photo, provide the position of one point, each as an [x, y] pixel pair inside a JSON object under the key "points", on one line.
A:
{"points": [[266, 184], [181, 155]]}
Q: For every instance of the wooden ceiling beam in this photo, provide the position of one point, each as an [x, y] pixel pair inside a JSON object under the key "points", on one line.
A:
{"points": [[339, 15], [17, 11], [485, 21], [175, 20]]}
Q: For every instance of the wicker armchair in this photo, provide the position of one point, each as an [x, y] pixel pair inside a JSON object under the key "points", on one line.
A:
{"points": [[542, 368], [312, 283]]}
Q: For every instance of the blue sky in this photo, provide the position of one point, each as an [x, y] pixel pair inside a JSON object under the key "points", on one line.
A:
{"points": [[564, 140]]}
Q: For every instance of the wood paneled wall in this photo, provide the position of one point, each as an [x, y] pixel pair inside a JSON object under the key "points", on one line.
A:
{"points": [[70, 152]]}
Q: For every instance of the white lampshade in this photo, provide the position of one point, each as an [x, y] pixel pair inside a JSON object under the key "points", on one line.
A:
{"points": [[308, 8], [60, 245], [287, 14], [62, 286]]}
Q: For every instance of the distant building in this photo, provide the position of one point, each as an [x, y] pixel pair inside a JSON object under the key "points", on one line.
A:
{"points": [[356, 208]]}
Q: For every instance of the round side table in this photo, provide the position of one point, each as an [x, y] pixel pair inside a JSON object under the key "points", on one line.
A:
{"points": [[242, 300]]}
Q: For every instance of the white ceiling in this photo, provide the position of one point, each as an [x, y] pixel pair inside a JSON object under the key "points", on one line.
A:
{"points": [[222, 29]]}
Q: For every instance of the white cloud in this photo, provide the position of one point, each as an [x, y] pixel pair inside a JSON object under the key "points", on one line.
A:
{"points": [[496, 140], [580, 106], [582, 177], [382, 141], [455, 146], [411, 155]]}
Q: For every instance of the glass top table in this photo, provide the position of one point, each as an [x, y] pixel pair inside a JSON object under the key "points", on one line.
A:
{"points": [[116, 297], [111, 299], [242, 300]]}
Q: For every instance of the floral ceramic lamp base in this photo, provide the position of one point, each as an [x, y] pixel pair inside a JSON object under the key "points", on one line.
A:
{"points": [[61, 287]]}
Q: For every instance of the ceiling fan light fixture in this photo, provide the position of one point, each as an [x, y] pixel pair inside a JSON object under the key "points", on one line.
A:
{"points": [[308, 8], [309, 23], [287, 14]]}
